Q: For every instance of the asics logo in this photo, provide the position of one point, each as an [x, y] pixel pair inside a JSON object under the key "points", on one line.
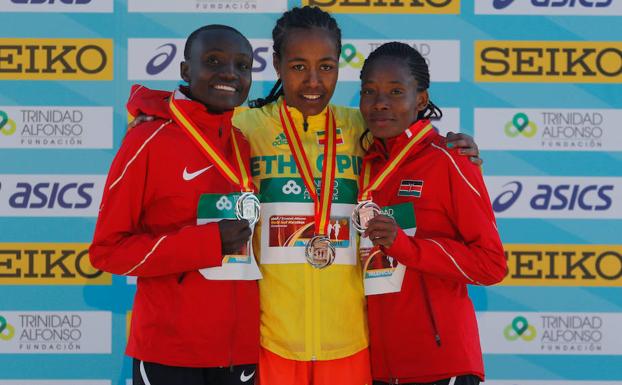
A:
{"points": [[500, 4], [244, 377], [191, 175]]}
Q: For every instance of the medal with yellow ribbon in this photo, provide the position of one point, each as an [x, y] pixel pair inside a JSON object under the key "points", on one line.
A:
{"points": [[366, 209], [319, 251], [247, 205]]}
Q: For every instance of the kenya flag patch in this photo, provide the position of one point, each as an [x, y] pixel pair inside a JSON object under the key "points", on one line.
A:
{"points": [[410, 188]]}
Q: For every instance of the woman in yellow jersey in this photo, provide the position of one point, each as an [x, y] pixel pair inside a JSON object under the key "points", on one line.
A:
{"points": [[313, 321]]}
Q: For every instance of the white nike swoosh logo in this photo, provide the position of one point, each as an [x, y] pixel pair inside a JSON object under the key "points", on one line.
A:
{"points": [[244, 378], [191, 175]]}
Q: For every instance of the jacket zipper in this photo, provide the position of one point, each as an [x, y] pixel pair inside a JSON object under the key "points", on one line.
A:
{"points": [[428, 302]]}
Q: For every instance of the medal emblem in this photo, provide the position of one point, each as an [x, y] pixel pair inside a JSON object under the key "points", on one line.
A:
{"points": [[320, 252], [247, 207], [362, 214]]}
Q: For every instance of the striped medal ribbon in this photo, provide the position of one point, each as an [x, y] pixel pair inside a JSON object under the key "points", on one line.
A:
{"points": [[319, 251], [366, 209], [247, 204]]}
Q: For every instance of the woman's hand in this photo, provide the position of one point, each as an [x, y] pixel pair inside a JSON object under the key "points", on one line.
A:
{"points": [[381, 230], [140, 119], [466, 146]]}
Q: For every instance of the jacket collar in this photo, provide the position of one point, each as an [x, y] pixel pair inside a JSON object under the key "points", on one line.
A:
{"points": [[211, 124], [390, 147]]}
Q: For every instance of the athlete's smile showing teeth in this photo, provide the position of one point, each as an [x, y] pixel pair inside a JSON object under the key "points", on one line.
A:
{"points": [[223, 87], [311, 96]]}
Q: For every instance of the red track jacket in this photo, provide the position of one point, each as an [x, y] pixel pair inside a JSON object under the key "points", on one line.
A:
{"points": [[428, 331], [147, 228]]}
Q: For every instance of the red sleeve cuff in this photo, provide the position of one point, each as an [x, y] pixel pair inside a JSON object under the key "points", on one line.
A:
{"points": [[210, 244], [400, 247]]}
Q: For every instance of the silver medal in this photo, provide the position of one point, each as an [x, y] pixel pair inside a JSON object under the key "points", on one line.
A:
{"points": [[247, 207]]}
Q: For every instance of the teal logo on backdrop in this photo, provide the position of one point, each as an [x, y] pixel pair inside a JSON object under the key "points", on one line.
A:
{"points": [[520, 125], [7, 125]]}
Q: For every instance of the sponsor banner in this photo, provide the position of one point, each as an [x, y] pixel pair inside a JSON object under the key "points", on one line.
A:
{"points": [[449, 122], [55, 127], [548, 61], [550, 333], [548, 129], [55, 332], [56, 59], [563, 265], [442, 56], [159, 59], [49, 264], [548, 7], [568, 197], [224, 6], [549, 382], [50, 195], [387, 6], [55, 382], [65, 6]]}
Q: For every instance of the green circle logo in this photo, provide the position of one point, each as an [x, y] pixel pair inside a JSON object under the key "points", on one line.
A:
{"points": [[7, 125], [521, 125], [351, 57], [520, 328], [7, 331]]}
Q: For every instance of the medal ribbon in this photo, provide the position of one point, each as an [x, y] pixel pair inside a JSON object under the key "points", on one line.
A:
{"points": [[367, 188], [323, 202], [241, 176]]}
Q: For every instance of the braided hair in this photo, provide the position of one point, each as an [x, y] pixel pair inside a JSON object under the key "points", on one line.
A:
{"points": [[193, 36], [306, 17], [418, 69]]}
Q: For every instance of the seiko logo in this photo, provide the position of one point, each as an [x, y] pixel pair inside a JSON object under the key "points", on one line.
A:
{"points": [[48, 59], [48, 263], [563, 264], [556, 61]]}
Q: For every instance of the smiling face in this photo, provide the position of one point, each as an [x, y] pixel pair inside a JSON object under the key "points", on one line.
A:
{"points": [[219, 69], [308, 67], [390, 101]]}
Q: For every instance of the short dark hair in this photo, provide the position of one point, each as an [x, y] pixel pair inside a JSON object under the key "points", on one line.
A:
{"points": [[193, 36]]}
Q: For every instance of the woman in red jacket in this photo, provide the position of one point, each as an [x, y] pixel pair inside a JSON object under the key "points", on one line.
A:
{"points": [[195, 319], [435, 234]]}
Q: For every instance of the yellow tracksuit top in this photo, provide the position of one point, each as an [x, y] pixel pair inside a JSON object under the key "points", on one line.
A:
{"points": [[306, 313]]}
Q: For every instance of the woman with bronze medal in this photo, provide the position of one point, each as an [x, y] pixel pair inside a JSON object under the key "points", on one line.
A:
{"points": [[433, 219]]}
